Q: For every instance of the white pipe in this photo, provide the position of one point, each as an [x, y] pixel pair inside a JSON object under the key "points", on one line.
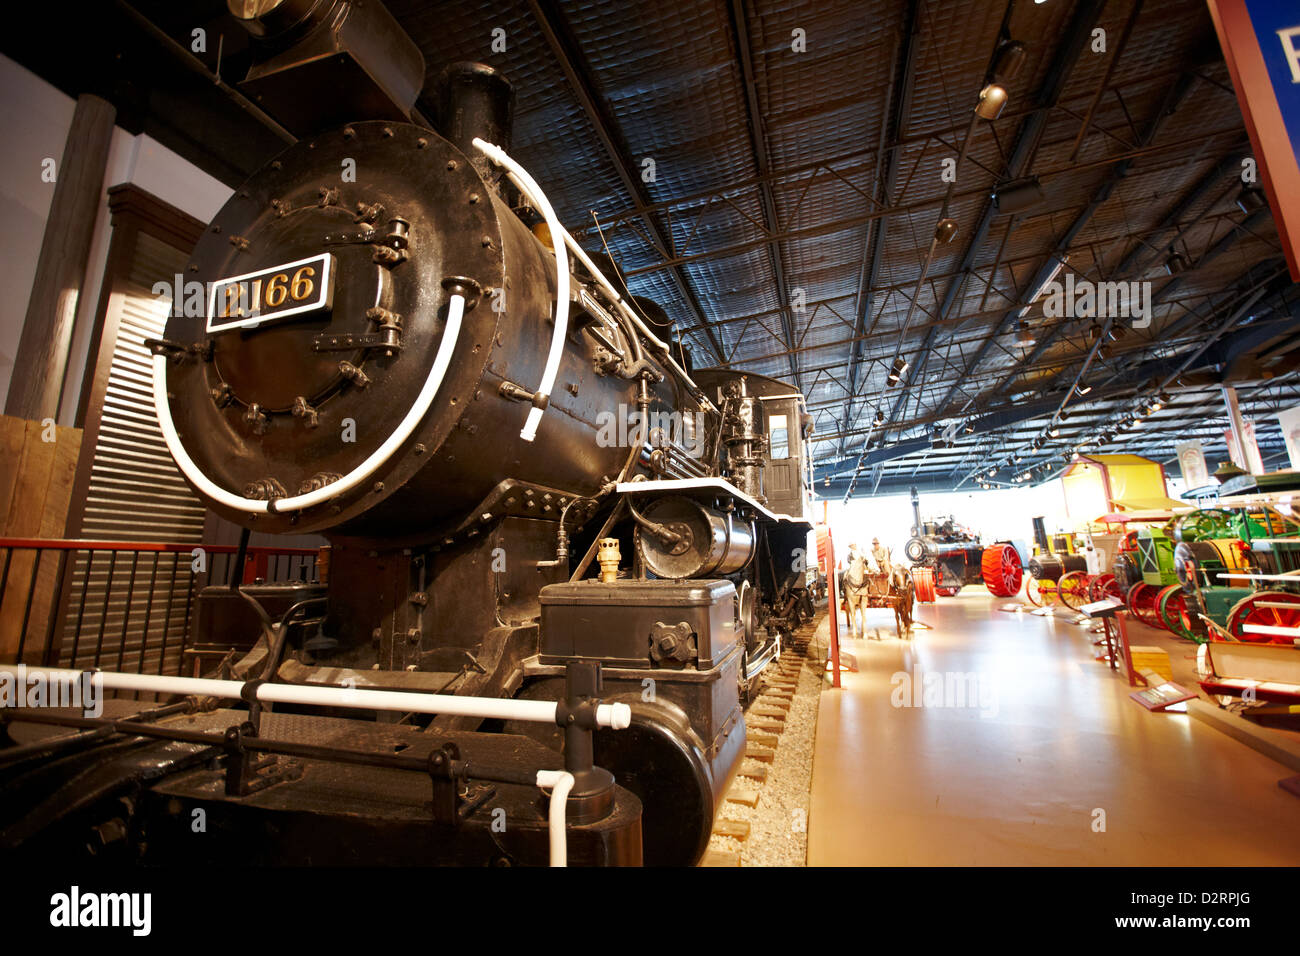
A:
{"points": [[560, 782], [615, 716], [529, 186], [359, 474], [627, 310]]}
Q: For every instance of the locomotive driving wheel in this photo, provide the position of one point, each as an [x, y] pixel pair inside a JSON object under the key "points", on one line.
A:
{"points": [[1072, 589], [1268, 609], [1001, 570], [1143, 603]]}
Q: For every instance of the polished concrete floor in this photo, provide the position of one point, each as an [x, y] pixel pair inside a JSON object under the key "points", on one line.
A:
{"points": [[1019, 749]]}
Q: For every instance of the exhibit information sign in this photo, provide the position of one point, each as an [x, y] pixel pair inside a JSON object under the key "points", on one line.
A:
{"points": [[1191, 461], [1261, 45], [1290, 422]]}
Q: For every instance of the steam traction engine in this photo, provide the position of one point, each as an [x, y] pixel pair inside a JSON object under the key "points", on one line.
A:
{"points": [[958, 558], [525, 494]]}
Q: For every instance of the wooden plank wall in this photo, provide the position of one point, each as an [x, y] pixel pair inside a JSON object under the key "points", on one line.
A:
{"points": [[36, 478]]}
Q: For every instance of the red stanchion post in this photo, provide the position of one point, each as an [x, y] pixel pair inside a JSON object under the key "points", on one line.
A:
{"points": [[834, 608]]}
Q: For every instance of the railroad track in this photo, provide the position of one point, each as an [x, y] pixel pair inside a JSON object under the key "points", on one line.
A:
{"points": [[766, 720]]}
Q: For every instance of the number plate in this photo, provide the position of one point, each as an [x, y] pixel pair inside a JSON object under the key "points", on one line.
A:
{"points": [[294, 288]]}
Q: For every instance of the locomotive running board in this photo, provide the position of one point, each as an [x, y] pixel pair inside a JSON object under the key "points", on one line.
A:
{"points": [[709, 485]]}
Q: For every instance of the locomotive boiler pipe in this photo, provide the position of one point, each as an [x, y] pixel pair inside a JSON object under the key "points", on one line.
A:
{"points": [[614, 716], [519, 176], [560, 782], [420, 408], [558, 230]]}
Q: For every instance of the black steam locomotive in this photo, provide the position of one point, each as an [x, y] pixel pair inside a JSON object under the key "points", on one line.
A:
{"points": [[526, 491]]}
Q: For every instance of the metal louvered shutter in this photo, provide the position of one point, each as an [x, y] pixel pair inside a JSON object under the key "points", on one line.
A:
{"points": [[131, 609]]}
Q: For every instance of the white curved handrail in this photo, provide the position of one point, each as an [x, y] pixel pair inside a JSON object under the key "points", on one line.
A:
{"points": [[416, 413], [529, 186]]}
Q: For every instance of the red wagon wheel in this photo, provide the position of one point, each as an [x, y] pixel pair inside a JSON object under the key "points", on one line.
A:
{"points": [[1267, 608], [1001, 570], [1104, 586], [1143, 602], [1073, 589]]}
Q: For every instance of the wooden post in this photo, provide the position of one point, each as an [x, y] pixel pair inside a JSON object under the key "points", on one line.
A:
{"points": [[37, 383]]}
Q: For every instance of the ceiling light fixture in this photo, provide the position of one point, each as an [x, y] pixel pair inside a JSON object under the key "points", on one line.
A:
{"points": [[993, 99]]}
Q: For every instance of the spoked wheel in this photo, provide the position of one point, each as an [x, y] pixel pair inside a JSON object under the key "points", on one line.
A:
{"points": [[1202, 525], [1040, 591], [1171, 604], [1073, 589], [1104, 586], [1266, 608], [1143, 603], [1001, 570]]}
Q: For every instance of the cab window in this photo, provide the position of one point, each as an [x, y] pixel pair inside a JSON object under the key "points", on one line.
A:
{"points": [[778, 437]]}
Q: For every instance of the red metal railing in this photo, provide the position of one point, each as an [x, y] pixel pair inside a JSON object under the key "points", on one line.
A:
{"points": [[121, 605]]}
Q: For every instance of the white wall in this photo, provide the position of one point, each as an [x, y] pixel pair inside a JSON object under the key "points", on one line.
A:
{"points": [[35, 117], [1002, 514]]}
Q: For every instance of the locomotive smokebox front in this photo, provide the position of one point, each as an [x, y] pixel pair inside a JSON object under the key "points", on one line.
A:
{"points": [[329, 279]]}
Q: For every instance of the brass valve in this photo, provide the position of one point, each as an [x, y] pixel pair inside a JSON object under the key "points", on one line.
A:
{"points": [[608, 555]]}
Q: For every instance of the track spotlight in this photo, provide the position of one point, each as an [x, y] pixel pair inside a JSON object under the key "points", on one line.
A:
{"points": [[1082, 390], [969, 428], [945, 231], [880, 417], [1063, 415], [993, 98], [1176, 263], [896, 372], [1055, 432]]}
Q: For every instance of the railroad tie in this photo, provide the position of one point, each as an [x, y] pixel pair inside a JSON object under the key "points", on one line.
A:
{"points": [[736, 829], [720, 858]]}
